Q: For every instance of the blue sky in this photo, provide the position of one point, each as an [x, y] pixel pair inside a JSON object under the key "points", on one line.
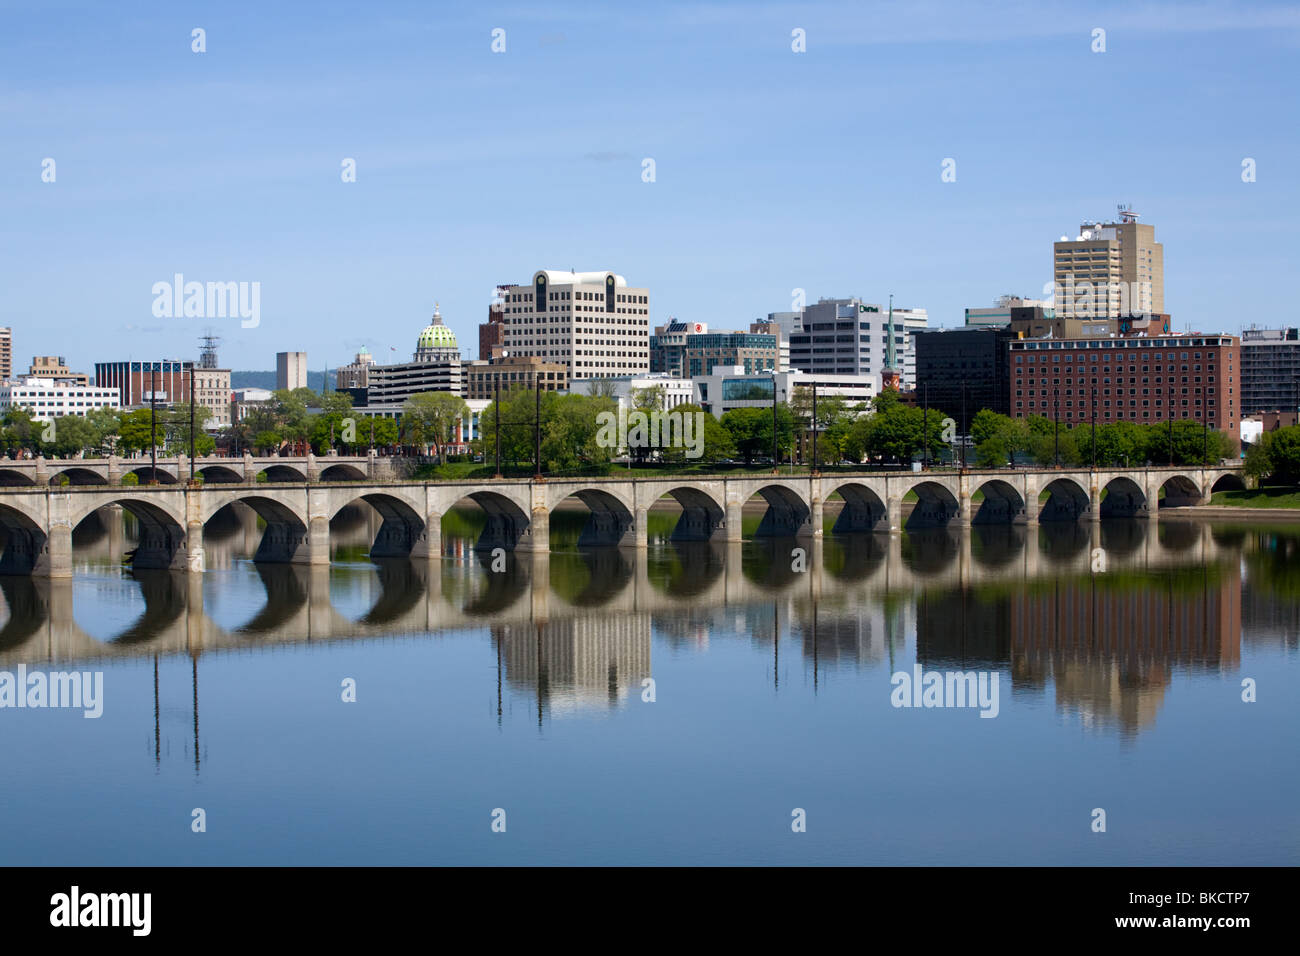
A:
{"points": [[775, 170]]}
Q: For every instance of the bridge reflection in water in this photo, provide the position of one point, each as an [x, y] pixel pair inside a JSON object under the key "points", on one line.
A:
{"points": [[574, 628]]}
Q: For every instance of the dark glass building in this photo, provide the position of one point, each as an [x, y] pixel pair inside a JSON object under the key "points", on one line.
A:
{"points": [[977, 357]]}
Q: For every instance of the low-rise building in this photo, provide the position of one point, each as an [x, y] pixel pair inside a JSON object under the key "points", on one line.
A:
{"points": [[47, 399], [687, 349], [514, 371], [726, 388]]}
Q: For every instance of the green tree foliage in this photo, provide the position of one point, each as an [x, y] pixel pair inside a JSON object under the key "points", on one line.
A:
{"points": [[751, 431], [432, 418], [718, 444], [895, 432], [1276, 456], [570, 425]]}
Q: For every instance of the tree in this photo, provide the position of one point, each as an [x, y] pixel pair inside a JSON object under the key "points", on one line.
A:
{"points": [[1280, 455], [330, 427], [104, 423], [176, 426], [600, 388], [133, 431], [434, 416], [714, 442], [751, 430]]}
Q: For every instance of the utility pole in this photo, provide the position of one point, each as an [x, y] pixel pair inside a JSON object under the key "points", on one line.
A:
{"points": [[1205, 437], [925, 427], [963, 418], [192, 370], [153, 426], [1171, 436], [496, 404], [776, 457], [814, 429], [537, 424], [1056, 438], [1094, 428]]}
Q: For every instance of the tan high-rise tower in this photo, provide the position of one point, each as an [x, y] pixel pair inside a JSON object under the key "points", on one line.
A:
{"points": [[1111, 270]]}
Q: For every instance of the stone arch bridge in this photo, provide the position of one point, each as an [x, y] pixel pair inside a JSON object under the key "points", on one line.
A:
{"points": [[38, 522]]}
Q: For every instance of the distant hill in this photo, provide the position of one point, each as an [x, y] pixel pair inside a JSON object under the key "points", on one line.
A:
{"points": [[248, 379]]}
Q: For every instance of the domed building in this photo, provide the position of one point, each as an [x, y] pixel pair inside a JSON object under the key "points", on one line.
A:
{"points": [[435, 367], [437, 342]]}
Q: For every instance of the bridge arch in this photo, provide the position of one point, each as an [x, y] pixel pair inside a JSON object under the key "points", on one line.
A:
{"points": [[78, 475], [14, 478], [1067, 500], [220, 475], [161, 543], [702, 514], [787, 512], [282, 474], [403, 530], [145, 474], [506, 510], [1002, 503], [609, 517], [863, 509], [25, 539], [1122, 497], [343, 472], [1179, 491], [935, 505], [1228, 481]]}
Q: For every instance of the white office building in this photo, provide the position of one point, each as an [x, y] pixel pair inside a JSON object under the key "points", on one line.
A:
{"points": [[731, 387], [850, 337], [593, 322], [47, 399]]}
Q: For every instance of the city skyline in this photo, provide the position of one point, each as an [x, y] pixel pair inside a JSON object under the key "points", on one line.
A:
{"points": [[771, 169]]}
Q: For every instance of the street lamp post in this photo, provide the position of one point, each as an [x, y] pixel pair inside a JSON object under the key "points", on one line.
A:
{"points": [[776, 456], [925, 427], [496, 404], [1094, 428], [965, 427], [191, 424], [814, 428], [537, 424], [153, 426], [1056, 428]]}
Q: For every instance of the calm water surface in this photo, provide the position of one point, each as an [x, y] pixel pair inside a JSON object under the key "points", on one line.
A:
{"points": [[523, 689]]}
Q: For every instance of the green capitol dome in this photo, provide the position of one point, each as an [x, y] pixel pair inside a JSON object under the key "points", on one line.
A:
{"points": [[436, 336]]}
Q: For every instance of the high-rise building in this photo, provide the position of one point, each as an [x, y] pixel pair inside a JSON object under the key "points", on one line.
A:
{"points": [[1145, 379], [960, 371], [1109, 270], [1270, 370], [592, 322], [850, 337], [492, 333], [6, 354], [290, 370], [687, 349]]}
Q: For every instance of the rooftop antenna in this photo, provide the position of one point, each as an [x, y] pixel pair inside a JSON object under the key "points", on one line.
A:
{"points": [[208, 350]]}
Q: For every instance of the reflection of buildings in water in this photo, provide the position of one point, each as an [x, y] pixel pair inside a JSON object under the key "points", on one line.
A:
{"points": [[1269, 622], [1108, 645], [1111, 648], [577, 663], [855, 636]]}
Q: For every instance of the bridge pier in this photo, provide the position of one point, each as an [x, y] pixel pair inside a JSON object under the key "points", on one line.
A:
{"points": [[817, 517], [732, 522], [894, 514], [536, 538]]}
